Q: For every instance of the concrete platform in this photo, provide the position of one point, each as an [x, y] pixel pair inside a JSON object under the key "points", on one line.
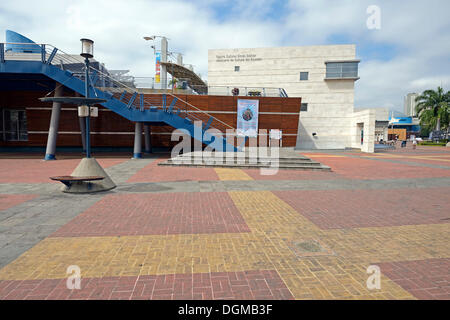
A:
{"points": [[249, 159], [89, 167]]}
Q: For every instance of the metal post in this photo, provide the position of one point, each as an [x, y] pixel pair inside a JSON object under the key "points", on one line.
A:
{"points": [[88, 118], [148, 141], [137, 153], [54, 123], [82, 123], [83, 132]]}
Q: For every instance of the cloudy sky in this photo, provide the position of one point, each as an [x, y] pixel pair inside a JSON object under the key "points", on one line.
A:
{"points": [[409, 53]]}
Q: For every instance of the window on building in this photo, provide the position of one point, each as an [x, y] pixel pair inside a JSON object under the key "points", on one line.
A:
{"points": [[14, 125], [236, 68], [342, 70], [304, 76], [304, 107]]}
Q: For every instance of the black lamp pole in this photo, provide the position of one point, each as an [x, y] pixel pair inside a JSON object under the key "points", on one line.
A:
{"points": [[87, 51], [88, 118]]}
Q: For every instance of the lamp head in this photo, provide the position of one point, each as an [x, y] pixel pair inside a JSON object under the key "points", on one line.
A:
{"points": [[87, 48]]}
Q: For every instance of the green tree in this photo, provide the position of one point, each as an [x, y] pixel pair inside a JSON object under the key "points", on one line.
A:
{"points": [[433, 109]]}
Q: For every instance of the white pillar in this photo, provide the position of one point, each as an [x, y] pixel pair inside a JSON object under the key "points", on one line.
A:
{"points": [[137, 153], [54, 123], [148, 141], [164, 46]]}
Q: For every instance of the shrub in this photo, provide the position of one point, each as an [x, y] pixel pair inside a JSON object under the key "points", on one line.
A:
{"points": [[430, 143]]}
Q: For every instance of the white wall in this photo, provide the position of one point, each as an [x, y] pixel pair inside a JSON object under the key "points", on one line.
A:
{"points": [[363, 120], [330, 102]]}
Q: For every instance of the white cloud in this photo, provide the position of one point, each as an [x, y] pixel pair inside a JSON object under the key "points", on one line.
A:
{"points": [[418, 30]]}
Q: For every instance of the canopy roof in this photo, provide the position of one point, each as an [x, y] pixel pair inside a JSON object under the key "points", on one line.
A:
{"points": [[181, 72]]}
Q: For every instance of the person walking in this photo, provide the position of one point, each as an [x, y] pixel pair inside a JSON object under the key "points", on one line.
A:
{"points": [[414, 144]]}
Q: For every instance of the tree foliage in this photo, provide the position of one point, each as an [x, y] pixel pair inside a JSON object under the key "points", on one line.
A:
{"points": [[433, 108]]}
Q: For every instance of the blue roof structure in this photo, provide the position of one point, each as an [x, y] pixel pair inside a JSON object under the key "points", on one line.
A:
{"points": [[14, 37]]}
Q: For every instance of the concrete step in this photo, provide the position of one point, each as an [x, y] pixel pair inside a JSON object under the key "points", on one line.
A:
{"points": [[285, 161], [258, 162], [259, 158], [236, 157], [251, 166]]}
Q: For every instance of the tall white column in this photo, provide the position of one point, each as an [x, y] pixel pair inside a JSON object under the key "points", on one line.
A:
{"points": [[54, 123], [164, 46]]}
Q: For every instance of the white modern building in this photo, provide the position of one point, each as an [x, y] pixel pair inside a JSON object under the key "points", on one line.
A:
{"points": [[323, 76], [410, 104]]}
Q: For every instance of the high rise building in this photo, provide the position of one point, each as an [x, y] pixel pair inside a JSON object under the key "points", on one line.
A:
{"points": [[410, 104]]}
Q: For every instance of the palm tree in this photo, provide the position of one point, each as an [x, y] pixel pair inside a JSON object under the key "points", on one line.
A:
{"points": [[433, 108]]}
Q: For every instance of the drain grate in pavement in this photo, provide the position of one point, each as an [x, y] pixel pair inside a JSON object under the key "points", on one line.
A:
{"points": [[309, 248]]}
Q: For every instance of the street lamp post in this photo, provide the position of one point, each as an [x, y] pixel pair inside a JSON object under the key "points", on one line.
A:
{"points": [[164, 52], [87, 51]]}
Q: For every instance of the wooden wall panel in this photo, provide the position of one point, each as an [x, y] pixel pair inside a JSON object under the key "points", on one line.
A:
{"points": [[38, 118]]}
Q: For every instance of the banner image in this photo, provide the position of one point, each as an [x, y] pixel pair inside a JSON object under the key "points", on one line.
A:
{"points": [[247, 118], [158, 68]]}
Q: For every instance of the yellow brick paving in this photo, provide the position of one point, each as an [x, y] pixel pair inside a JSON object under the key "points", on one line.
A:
{"points": [[232, 174], [426, 157], [273, 224]]}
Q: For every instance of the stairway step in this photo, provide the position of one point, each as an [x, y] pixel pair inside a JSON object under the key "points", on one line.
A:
{"points": [[246, 157], [299, 162], [250, 166]]}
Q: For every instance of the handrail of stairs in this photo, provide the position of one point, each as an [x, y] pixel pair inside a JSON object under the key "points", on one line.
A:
{"points": [[52, 55], [77, 59]]}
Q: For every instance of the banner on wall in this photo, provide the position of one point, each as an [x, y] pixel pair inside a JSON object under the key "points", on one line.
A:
{"points": [[158, 68], [247, 118]]}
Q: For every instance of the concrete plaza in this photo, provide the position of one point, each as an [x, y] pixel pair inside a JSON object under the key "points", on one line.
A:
{"points": [[220, 233]]}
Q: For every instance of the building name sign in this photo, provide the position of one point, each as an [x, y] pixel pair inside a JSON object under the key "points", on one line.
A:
{"points": [[237, 58]]}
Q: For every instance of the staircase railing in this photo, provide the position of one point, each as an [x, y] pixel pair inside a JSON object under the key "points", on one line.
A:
{"points": [[100, 80]]}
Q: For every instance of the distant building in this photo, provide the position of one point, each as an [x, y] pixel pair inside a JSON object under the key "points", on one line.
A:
{"points": [[409, 107], [391, 123]]}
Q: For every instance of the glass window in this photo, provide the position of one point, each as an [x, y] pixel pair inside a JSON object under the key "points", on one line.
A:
{"points": [[342, 70], [15, 125], [304, 76], [236, 68], [304, 107]]}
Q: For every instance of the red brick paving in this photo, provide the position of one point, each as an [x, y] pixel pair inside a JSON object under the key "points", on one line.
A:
{"points": [[263, 284], [145, 214], [155, 173], [10, 200], [292, 175], [436, 162], [39, 171], [356, 168], [334, 209], [425, 279]]}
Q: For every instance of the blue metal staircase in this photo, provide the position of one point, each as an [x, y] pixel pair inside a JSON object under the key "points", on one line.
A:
{"points": [[125, 101]]}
